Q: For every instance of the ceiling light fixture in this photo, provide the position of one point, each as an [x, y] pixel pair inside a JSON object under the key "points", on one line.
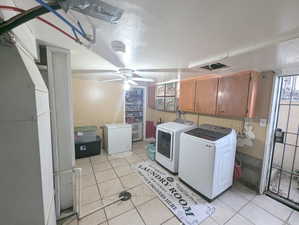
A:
{"points": [[127, 86]]}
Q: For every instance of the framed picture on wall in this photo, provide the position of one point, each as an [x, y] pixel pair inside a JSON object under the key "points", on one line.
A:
{"points": [[170, 89], [170, 104], [160, 103], [160, 90]]}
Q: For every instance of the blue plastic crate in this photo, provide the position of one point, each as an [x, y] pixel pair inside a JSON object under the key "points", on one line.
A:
{"points": [[151, 151]]}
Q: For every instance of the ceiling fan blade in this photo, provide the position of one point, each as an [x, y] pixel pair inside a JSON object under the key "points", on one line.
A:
{"points": [[136, 75], [170, 70], [132, 82], [143, 79], [94, 71], [108, 81], [102, 48]]}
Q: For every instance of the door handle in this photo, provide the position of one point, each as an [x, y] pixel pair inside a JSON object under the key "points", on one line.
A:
{"points": [[279, 136]]}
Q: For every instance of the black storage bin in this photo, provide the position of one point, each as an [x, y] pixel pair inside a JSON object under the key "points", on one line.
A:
{"points": [[86, 149]]}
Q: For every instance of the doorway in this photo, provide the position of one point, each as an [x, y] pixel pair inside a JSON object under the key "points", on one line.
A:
{"points": [[283, 179]]}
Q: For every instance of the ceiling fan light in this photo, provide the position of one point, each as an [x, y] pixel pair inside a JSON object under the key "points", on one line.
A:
{"points": [[127, 86], [132, 82]]}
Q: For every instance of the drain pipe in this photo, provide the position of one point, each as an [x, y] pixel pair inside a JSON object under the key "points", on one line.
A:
{"points": [[241, 51]]}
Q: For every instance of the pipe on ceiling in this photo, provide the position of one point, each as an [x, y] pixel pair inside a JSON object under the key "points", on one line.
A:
{"points": [[11, 8]]}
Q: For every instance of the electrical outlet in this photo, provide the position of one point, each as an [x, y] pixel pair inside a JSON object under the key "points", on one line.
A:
{"points": [[263, 122]]}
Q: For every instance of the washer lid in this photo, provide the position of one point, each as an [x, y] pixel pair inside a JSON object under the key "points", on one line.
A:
{"points": [[209, 132]]}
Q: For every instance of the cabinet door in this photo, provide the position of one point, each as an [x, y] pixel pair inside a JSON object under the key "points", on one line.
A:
{"points": [[260, 94], [187, 95], [233, 95], [206, 96], [151, 96]]}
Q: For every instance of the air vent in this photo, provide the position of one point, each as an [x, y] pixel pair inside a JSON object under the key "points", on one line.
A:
{"points": [[214, 66], [118, 46]]}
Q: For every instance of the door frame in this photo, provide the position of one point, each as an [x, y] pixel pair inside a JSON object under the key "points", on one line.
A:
{"points": [[269, 142], [269, 145]]}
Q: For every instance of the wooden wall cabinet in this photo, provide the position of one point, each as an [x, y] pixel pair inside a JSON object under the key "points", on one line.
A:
{"points": [[206, 96], [260, 92], [239, 95], [233, 92], [187, 95], [151, 97]]}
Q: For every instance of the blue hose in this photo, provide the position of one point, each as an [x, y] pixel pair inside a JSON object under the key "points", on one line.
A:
{"points": [[74, 28]]}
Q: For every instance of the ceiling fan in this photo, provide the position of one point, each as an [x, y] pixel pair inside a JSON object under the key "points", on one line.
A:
{"points": [[114, 52], [127, 75]]}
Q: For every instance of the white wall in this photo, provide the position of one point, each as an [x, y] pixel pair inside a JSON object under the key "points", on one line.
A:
{"points": [[27, 195]]}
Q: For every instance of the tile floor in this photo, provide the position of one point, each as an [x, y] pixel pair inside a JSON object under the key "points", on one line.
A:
{"points": [[105, 176], [284, 186]]}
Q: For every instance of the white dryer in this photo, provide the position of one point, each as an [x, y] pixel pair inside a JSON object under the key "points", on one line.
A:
{"points": [[168, 143], [207, 158]]}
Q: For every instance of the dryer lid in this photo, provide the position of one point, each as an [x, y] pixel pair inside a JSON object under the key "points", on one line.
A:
{"points": [[209, 132]]}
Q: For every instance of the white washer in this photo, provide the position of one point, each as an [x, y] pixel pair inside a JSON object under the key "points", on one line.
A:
{"points": [[168, 143], [118, 138], [207, 157]]}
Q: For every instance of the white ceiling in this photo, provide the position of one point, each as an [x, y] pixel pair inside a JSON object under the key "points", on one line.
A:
{"points": [[175, 33]]}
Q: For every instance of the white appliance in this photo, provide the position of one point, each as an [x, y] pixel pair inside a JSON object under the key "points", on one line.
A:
{"points": [[207, 157], [168, 143], [118, 138]]}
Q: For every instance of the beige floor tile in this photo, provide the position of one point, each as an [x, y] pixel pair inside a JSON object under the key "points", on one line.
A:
{"points": [[294, 219], [94, 219], [209, 221], [86, 170], [243, 191], [272, 206], [85, 209], [105, 175], [238, 220], [133, 159], [119, 162], [131, 180], [119, 155], [172, 221], [90, 194], [141, 194], [123, 170], [222, 213], [83, 162], [88, 180], [233, 200], [110, 187], [259, 216], [129, 218], [154, 212], [101, 166], [98, 158], [116, 208]]}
